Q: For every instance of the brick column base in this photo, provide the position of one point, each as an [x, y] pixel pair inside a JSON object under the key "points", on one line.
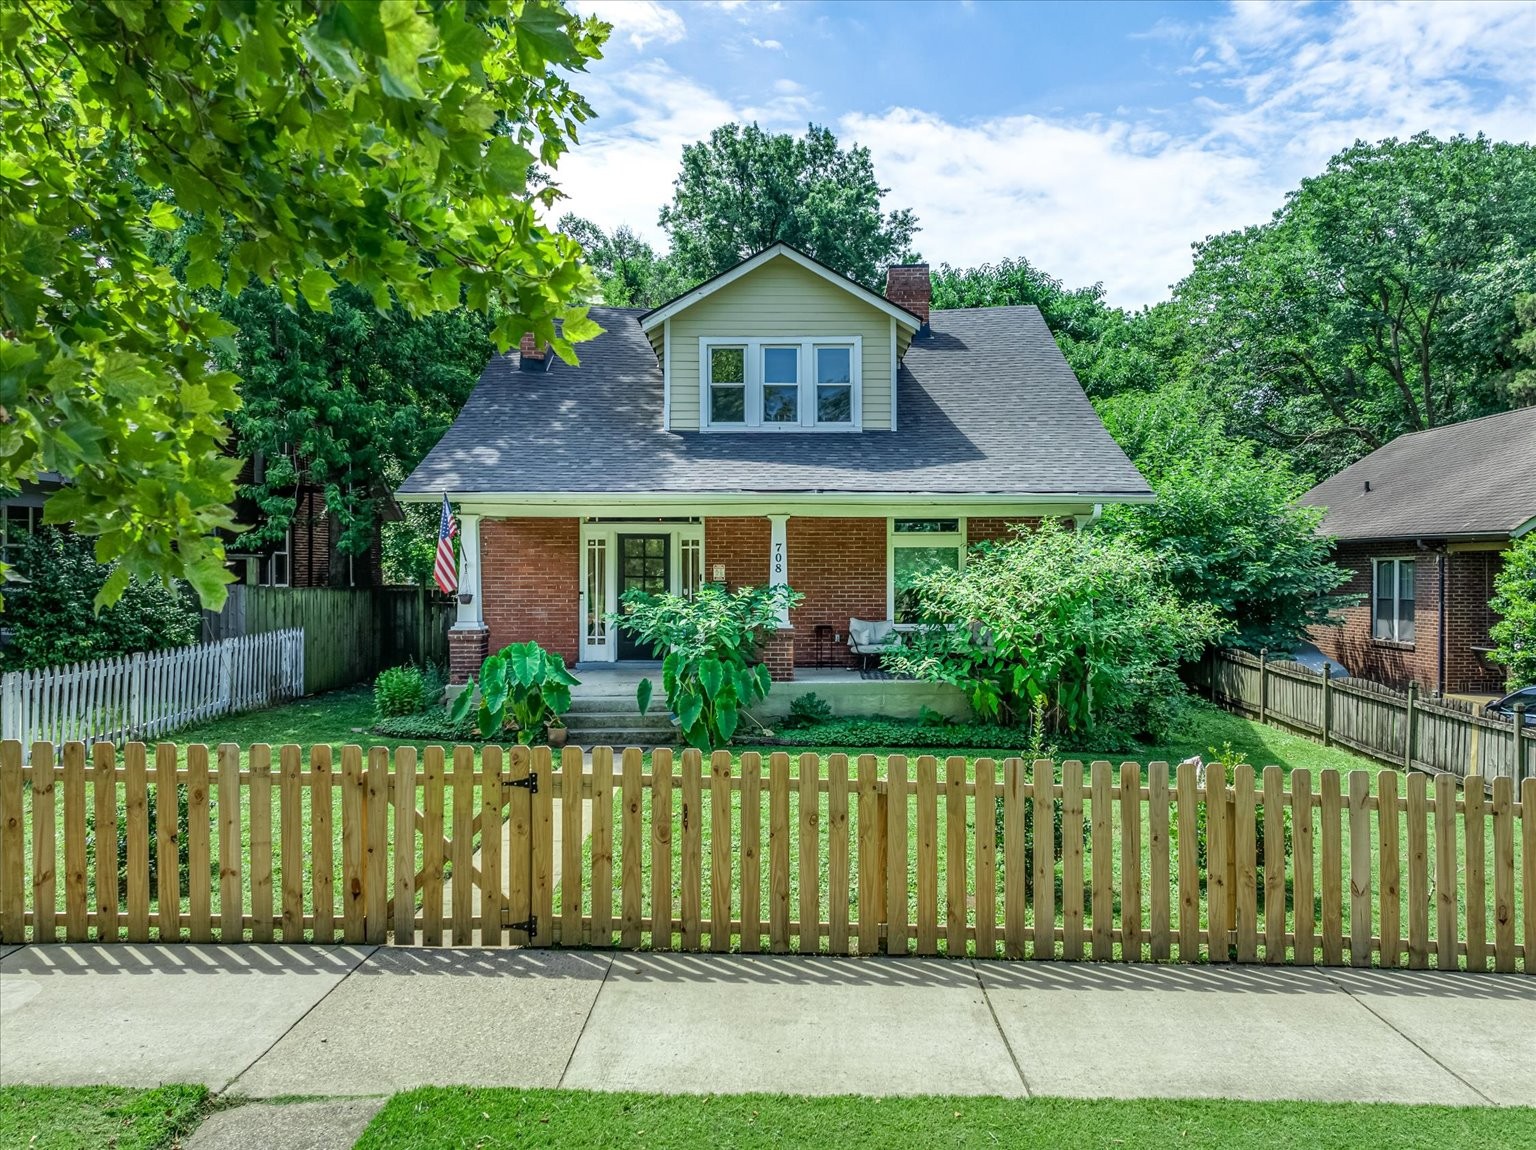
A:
{"points": [[467, 649], [779, 655]]}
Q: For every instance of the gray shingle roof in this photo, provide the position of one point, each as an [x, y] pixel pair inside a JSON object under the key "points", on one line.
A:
{"points": [[986, 404], [1472, 478]]}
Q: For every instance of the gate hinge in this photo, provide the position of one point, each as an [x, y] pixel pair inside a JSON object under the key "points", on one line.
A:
{"points": [[529, 784], [529, 925]]}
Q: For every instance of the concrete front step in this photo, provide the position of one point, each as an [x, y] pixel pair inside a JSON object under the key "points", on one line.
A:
{"points": [[614, 737], [589, 704]]}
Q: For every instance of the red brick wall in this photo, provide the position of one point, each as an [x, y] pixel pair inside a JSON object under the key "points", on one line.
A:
{"points": [[839, 566], [992, 529], [1468, 584], [742, 545], [530, 573], [466, 651]]}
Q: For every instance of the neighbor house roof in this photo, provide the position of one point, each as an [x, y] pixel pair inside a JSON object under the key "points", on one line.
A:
{"points": [[988, 405], [1476, 478]]}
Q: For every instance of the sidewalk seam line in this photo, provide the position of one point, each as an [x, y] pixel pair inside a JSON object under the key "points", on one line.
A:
{"points": [[569, 1058], [1411, 1042], [997, 1022], [373, 949]]}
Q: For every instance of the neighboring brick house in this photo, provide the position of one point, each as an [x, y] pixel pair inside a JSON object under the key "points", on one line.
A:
{"points": [[777, 424], [1421, 524]]}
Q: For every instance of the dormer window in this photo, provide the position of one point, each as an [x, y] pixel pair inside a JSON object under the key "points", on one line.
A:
{"points": [[806, 383]]}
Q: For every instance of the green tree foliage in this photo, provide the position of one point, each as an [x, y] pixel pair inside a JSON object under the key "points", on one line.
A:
{"points": [[1514, 598], [1362, 310], [1087, 620], [1225, 528], [711, 673], [386, 145], [1110, 350], [630, 273], [745, 189], [52, 620], [349, 399]]}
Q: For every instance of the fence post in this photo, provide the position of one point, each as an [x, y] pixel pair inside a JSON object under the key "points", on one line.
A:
{"points": [[136, 696], [1263, 684], [1413, 694], [1519, 771], [1327, 704], [10, 708]]}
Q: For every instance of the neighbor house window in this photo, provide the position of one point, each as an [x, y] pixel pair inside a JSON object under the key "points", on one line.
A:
{"points": [[1392, 600], [917, 547], [805, 384], [20, 522]]}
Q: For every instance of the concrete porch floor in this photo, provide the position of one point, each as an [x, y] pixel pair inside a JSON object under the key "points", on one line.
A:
{"points": [[846, 691]]}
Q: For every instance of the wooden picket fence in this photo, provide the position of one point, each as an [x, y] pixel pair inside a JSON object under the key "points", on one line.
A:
{"points": [[813, 855], [1396, 727], [152, 693]]}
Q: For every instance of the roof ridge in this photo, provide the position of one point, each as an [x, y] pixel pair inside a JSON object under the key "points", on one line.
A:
{"points": [[1525, 407]]}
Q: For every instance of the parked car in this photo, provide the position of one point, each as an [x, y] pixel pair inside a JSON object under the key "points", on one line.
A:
{"points": [[1313, 660], [1505, 708]]}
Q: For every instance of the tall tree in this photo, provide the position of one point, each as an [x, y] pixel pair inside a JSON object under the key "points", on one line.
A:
{"points": [[630, 273], [1334, 327], [744, 189], [1111, 351], [348, 400], [308, 142]]}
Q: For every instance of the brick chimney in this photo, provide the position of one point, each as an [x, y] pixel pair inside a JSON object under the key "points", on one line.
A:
{"points": [[534, 355], [909, 286]]}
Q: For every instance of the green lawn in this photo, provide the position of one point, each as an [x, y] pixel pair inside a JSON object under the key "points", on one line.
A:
{"points": [[98, 1117], [490, 1119]]}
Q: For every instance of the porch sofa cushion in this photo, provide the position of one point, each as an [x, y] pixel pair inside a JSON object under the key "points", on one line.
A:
{"points": [[868, 635]]}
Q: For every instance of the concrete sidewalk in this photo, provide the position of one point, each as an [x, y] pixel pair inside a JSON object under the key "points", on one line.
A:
{"points": [[267, 1021]]}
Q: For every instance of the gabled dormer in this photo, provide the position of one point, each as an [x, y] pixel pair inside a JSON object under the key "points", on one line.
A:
{"points": [[782, 343]]}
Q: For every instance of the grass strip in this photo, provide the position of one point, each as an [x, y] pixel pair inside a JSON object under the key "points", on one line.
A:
{"points": [[491, 1119], [99, 1117]]}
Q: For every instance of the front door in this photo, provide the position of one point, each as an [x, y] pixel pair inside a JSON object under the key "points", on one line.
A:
{"points": [[645, 564]]}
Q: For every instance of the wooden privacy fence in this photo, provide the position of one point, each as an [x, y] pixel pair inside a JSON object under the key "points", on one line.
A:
{"points": [[349, 634], [147, 694], [816, 855], [1396, 727]]}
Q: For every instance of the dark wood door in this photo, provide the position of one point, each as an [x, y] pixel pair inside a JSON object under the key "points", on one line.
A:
{"points": [[645, 564]]}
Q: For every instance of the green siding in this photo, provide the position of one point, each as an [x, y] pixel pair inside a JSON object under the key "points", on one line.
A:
{"points": [[781, 299]]}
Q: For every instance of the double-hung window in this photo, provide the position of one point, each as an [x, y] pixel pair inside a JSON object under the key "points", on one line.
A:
{"points": [[917, 547], [793, 384], [1392, 600]]}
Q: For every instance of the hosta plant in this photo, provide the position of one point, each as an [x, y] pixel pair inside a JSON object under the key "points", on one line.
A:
{"points": [[522, 686], [710, 672]]}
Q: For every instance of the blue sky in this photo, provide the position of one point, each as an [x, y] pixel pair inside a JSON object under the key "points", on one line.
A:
{"points": [[1098, 140]]}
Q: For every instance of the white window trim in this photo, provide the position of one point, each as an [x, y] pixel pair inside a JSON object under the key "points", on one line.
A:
{"points": [[956, 538], [608, 652], [754, 346], [1397, 598], [286, 551]]}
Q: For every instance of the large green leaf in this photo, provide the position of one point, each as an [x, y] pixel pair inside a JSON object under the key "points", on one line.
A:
{"points": [[726, 719], [711, 676], [488, 721], [698, 736], [557, 698], [764, 680], [643, 695], [525, 662], [690, 707], [463, 703]]}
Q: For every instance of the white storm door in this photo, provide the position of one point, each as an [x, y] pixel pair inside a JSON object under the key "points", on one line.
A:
{"points": [[599, 596]]}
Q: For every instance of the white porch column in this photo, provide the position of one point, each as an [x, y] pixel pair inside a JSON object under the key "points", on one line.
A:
{"points": [[778, 560], [471, 614]]}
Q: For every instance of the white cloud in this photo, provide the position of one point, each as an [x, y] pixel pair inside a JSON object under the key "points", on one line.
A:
{"points": [[1274, 90], [772, 45], [640, 20]]}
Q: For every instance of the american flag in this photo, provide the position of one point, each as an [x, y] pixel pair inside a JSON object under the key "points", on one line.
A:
{"points": [[446, 570]]}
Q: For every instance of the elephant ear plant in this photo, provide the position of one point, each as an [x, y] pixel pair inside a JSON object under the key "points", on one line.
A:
{"points": [[711, 672], [522, 685]]}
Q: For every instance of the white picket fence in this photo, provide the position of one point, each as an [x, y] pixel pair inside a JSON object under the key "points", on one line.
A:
{"points": [[143, 696]]}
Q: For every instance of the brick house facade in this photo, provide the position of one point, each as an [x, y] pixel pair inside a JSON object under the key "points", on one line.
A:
{"points": [[777, 424], [1449, 661]]}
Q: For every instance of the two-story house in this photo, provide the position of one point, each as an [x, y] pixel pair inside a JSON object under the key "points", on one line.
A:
{"points": [[777, 424]]}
